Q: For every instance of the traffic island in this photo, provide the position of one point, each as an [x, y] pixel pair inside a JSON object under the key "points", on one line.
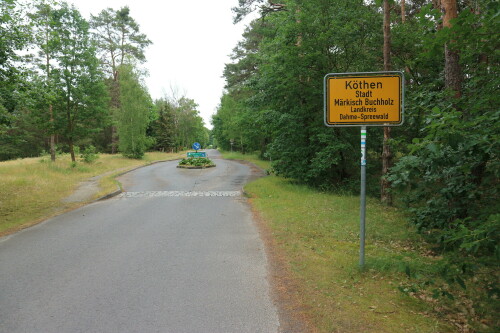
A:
{"points": [[196, 167], [196, 163]]}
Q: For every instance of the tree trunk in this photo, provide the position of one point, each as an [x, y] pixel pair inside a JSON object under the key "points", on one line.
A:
{"points": [[115, 107], [72, 150], [385, 196], [403, 11], [51, 108], [52, 135], [452, 71], [387, 36], [70, 128]]}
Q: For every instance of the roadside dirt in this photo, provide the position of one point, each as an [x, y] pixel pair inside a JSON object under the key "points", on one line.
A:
{"points": [[85, 191], [285, 291]]}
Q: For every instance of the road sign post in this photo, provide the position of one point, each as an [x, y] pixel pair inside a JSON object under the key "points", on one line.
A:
{"points": [[362, 199], [364, 99]]}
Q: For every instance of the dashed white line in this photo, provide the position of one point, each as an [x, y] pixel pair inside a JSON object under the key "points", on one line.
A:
{"points": [[147, 194]]}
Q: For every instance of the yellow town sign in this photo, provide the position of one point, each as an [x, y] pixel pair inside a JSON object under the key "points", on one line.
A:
{"points": [[364, 99]]}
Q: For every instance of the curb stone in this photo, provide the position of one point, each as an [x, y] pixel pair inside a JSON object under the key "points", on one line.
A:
{"points": [[195, 167]]}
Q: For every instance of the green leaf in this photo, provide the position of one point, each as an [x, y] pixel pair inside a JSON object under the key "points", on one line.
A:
{"points": [[408, 271], [461, 282]]}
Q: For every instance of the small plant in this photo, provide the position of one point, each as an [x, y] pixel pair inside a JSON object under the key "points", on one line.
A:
{"points": [[89, 154]]}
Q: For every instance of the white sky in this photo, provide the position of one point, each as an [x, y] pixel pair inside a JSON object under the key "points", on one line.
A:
{"points": [[192, 40]]}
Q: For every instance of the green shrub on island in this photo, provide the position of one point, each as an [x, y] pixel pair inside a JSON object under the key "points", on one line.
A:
{"points": [[197, 162]]}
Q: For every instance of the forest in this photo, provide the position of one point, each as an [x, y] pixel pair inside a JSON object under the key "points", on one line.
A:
{"points": [[69, 84], [441, 166]]}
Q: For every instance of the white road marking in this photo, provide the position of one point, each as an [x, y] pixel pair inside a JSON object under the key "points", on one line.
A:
{"points": [[147, 194]]}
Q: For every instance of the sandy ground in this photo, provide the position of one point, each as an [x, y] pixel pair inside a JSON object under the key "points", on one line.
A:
{"points": [[88, 189]]}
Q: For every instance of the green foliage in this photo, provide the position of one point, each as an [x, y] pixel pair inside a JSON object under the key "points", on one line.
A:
{"points": [[447, 180], [118, 37], [120, 42], [476, 237], [15, 140], [446, 172], [163, 127], [81, 95], [177, 124], [22, 136], [135, 151], [132, 118], [197, 161], [274, 102], [59, 81], [60, 90], [89, 154], [189, 124]]}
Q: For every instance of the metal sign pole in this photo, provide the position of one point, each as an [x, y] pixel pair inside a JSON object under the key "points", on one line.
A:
{"points": [[363, 199], [363, 99]]}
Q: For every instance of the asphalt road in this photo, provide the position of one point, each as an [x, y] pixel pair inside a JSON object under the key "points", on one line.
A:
{"points": [[176, 252]]}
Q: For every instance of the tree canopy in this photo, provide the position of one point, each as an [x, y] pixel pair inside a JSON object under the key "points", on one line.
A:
{"points": [[62, 86]]}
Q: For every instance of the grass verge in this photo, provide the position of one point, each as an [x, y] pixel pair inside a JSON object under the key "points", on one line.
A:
{"points": [[319, 236], [32, 189], [265, 165]]}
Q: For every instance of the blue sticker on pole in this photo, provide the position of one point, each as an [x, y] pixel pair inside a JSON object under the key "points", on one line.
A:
{"points": [[363, 147]]}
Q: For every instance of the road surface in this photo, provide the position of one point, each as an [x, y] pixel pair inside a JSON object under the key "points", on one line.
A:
{"points": [[176, 252]]}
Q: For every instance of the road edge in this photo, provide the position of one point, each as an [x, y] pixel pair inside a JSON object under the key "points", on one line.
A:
{"points": [[283, 288]]}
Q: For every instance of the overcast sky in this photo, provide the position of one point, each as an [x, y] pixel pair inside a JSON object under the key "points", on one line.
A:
{"points": [[192, 40]]}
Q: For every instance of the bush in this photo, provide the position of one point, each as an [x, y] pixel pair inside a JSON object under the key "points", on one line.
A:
{"points": [[136, 152], [449, 181], [89, 154], [197, 161]]}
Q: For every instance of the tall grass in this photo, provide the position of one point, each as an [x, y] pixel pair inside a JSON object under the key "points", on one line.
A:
{"points": [[33, 188]]}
